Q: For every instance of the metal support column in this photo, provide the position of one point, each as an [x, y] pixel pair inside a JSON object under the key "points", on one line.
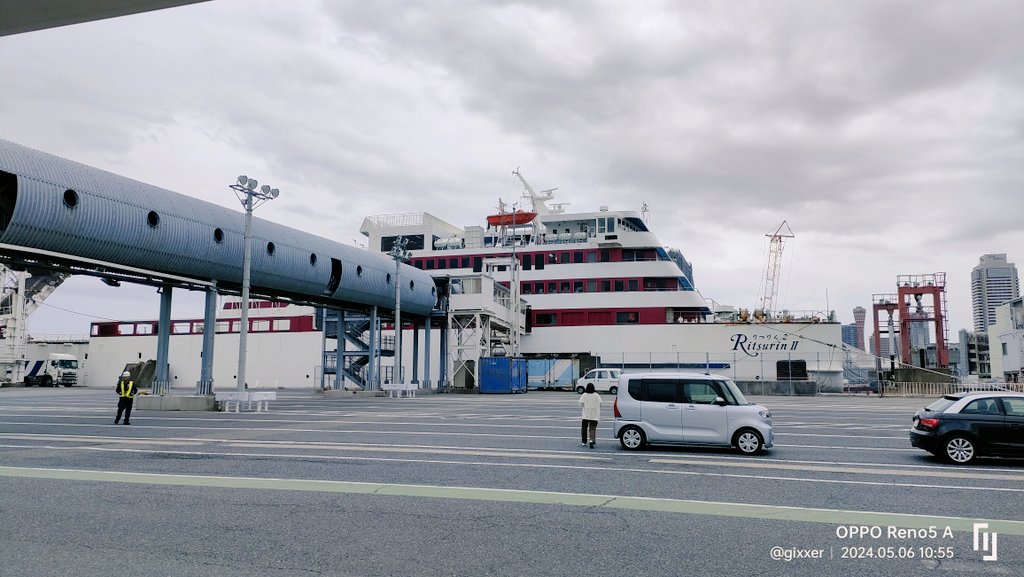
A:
{"points": [[442, 368], [323, 348], [371, 365], [162, 386], [427, 352], [205, 384], [339, 362], [415, 354], [18, 338]]}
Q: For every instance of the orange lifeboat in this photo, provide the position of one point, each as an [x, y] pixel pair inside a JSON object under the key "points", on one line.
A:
{"points": [[511, 218]]}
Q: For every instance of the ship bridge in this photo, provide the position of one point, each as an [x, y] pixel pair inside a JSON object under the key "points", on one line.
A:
{"points": [[487, 319]]}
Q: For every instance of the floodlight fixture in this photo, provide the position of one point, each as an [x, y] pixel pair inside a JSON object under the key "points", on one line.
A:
{"points": [[250, 198]]}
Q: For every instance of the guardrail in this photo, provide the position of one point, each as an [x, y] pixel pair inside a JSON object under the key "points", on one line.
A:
{"points": [[893, 389]]}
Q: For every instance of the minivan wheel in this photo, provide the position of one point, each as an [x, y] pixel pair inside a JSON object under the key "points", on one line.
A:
{"points": [[580, 390], [748, 441], [960, 449], [632, 438], [613, 391]]}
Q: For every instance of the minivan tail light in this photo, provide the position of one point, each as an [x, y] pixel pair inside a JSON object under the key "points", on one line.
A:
{"points": [[615, 408], [928, 423]]}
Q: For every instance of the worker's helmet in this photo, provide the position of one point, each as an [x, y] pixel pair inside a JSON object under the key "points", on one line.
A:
{"points": [[125, 375]]}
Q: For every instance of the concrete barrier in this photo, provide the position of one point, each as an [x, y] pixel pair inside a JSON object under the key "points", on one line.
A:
{"points": [[398, 388], [261, 398], [173, 403]]}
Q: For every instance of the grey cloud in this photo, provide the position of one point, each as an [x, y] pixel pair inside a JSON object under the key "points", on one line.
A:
{"points": [[887, 132]]}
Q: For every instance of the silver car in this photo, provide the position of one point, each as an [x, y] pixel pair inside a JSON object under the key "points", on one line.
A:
{"points": [[688, 409]]}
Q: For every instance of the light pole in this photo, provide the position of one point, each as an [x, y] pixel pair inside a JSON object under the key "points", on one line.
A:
{"points": [[250, 198], [398, 253]]}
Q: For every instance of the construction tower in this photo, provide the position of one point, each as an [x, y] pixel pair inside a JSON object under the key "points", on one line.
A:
{"points": [[774, 266]]}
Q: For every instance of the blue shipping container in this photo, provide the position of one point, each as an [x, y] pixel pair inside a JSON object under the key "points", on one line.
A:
{"points": [[502, 375], [553, 373]]}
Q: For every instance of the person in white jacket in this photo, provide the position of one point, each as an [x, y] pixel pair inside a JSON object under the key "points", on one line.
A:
{"points": [[591, 403]]}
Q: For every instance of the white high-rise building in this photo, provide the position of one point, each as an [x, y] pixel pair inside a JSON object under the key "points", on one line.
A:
{"points": [[993, 282]]}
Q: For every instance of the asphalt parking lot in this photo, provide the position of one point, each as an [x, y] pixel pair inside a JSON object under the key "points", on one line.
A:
{"points": [[484, 485]]}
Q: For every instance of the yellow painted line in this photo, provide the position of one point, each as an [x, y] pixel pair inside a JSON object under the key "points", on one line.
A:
{"points": [[594, 501]]}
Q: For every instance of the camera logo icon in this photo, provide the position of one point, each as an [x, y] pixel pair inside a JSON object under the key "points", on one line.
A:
{"points": [[986, 542]]}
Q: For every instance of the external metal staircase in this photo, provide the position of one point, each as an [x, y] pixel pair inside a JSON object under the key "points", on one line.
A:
{"points": [[356, 355]]}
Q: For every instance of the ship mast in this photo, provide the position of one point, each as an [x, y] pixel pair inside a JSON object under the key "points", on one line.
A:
{"points": [[538, 199]]}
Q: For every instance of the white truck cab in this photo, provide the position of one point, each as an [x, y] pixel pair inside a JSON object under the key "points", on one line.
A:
{"points": [[57, 369]]}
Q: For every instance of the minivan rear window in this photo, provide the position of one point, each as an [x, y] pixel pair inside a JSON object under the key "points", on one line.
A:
{"points": [[634, 388]]}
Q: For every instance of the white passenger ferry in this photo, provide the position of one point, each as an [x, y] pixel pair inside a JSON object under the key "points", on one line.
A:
{"points": [[583, 290], [600, 288]]}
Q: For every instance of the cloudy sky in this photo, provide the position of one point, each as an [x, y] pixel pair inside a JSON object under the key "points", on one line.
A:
{"points": [[888, 134]]}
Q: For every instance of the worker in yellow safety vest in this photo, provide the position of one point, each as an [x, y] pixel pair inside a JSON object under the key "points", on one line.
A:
{"points": [[126, 392]]}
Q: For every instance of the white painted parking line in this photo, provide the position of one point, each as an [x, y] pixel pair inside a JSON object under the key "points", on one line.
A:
{"points": [[630, 470], [502, 451], [854, 469], [849, 448], [597, 501], [830, 436]]}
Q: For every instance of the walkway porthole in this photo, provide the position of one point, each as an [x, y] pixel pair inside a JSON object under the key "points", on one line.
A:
{"points": [[433, 292], [359, 270], [312, 259], [153, 219], [218, 235], [70, 198], [270, 248], [412, 285], [388, 278]]}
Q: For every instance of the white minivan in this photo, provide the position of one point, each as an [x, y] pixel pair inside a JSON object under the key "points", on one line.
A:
{"points": [[605, 381], [688, 409]]}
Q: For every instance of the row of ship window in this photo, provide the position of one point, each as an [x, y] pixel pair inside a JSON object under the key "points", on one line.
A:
{"points": [[301, 324], [647, 316], [597, 285], [195, 327], [531, 260]]}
